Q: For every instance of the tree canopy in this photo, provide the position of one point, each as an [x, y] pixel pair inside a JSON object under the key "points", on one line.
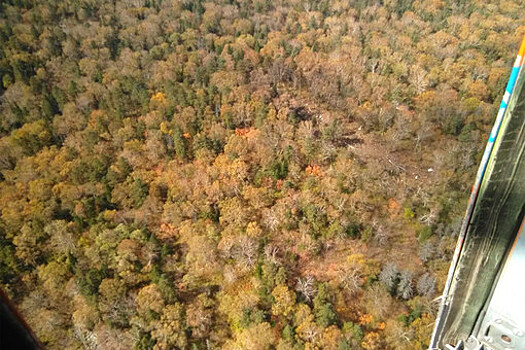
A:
{"points": [[234, 174]]}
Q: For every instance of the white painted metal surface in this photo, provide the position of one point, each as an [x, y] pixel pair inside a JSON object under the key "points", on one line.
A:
{"points": [[503, 326]]}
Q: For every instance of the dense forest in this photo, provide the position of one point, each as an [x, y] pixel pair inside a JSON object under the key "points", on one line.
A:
{"points": [[241, 174]]}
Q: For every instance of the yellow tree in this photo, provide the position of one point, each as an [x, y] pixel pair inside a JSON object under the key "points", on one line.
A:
{"points": [[284, 300]]}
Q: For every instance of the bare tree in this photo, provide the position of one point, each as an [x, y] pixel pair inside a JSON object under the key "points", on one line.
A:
{"points": [[245, 251], [61, 239], [306, 287], [418, 78], [426, 285], [378, 301], [280, 71], [271, 219], [451, 229], [351, 279], [426, 251], [429, 218], [381, 236], [151, 252], [405, 289], [87, 338], [270, 252], [389, 276]]}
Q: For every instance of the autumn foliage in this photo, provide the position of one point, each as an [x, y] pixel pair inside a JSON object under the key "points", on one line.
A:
{"points": [[240, 174]]}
